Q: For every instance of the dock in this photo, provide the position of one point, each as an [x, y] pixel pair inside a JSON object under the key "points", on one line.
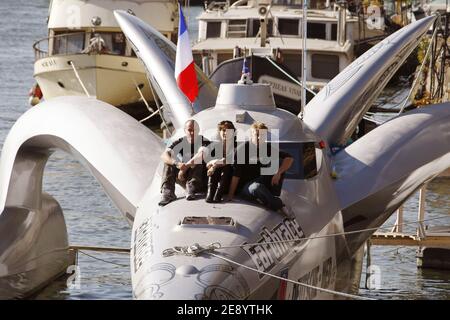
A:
{"points": [[433, 243], [430, 239]]}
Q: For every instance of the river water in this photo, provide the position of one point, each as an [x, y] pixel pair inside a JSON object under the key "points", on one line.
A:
{"points": [[93, 220]]}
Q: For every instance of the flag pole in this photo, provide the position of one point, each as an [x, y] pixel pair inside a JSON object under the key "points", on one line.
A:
{"points": [[304, 28]]}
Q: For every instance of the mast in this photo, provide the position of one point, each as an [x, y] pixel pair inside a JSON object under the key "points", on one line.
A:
{"points": [[304, 28]]}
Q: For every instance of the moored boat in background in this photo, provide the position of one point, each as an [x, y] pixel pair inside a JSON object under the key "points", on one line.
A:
{"points": [[86, 53]]}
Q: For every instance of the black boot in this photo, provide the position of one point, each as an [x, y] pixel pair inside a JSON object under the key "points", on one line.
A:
{"points": [[167, 197], [211, 192], [212, 187], [219, 193], [168, 185], [225, 177]]}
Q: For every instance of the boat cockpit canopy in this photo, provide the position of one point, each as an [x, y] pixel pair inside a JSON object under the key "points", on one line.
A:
{"points": [[305, 164]]}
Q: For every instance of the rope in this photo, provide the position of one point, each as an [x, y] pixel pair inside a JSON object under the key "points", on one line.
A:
{"points": [[333, 292], [195, 250], [327, 235], [142, 96], [150, 116], [101, 249], [106, 261], [372, 120], [289, 76], [190, 251], [79, 79], [159, 108]]}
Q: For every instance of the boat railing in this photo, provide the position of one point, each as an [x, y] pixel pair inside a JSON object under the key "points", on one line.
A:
{"points": [[73, 43], [64, 47], [218, 6]]}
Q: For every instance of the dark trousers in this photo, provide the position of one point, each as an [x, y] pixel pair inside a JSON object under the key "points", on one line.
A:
{"points": [[222, 177], [194, 178], [262, 191]]}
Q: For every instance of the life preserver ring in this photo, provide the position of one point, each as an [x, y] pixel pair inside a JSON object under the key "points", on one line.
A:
{"points": [[35, 95]]}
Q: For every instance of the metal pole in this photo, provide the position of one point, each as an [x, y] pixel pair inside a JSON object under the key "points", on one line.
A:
{"points": [[421, 213], [368, 264], [398, 227], [304, 28]]}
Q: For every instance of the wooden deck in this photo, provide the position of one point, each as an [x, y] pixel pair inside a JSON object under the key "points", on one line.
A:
{"points": [[438, 240]]}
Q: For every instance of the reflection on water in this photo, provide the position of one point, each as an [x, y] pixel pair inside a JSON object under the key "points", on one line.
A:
{"points": [[92, 220]]}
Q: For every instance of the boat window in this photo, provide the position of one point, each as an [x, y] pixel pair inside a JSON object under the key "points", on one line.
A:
{"points": [[213, 29], [317, 30], [288, 26], [334, 31], [305, 160], [255, 23], [324, 66], [287, 2], [197, 59], [237, 29], [68, 43], [293, 62], [114, 42]]}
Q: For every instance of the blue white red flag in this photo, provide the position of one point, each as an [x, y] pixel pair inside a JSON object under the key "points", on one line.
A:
{"points": [[184, 63], [245, 69]]}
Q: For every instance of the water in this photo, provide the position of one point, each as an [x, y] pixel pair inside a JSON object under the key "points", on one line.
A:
{"points": [[92, 219]]}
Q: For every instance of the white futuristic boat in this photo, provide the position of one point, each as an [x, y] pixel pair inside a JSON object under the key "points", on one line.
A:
{"points": [[239, 249], [86, 53]]}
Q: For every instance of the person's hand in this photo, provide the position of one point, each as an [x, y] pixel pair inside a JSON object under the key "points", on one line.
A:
{"points": [[276, 179], [211, 164], [181, 175], [211, 171], [182, 166]]}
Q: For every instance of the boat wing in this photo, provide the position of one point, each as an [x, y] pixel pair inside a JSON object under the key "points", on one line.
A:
{"points": [[121, 153], [335, 112], [158, 56], [378, 172]]}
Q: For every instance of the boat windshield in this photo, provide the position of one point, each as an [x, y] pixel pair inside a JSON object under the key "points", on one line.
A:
{"points": [[305, 161], [99, 42], [68, 43], [113, 42]]}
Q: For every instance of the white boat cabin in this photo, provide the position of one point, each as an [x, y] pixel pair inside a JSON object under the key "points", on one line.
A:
{"points": [[89, 26], [274, 29]]}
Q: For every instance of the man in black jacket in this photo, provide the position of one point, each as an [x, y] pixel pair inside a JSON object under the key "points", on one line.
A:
{"points": [[175, 170]]}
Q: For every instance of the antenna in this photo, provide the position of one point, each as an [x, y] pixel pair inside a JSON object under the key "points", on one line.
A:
{"points": [[304, 28]]}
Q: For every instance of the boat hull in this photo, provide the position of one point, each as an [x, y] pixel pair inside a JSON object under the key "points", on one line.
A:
{"points": [[112, 79], [34, 249]]}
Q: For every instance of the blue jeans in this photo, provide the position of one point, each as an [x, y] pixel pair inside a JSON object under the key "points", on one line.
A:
{"points": [[258, 190]]}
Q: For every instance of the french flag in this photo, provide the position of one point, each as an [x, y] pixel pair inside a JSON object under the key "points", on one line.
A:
{"points": [[184, 63]]}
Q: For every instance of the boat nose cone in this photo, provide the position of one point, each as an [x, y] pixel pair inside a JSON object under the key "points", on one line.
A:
{"points": [[124, 18], [215, 281], [186, 270]]}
